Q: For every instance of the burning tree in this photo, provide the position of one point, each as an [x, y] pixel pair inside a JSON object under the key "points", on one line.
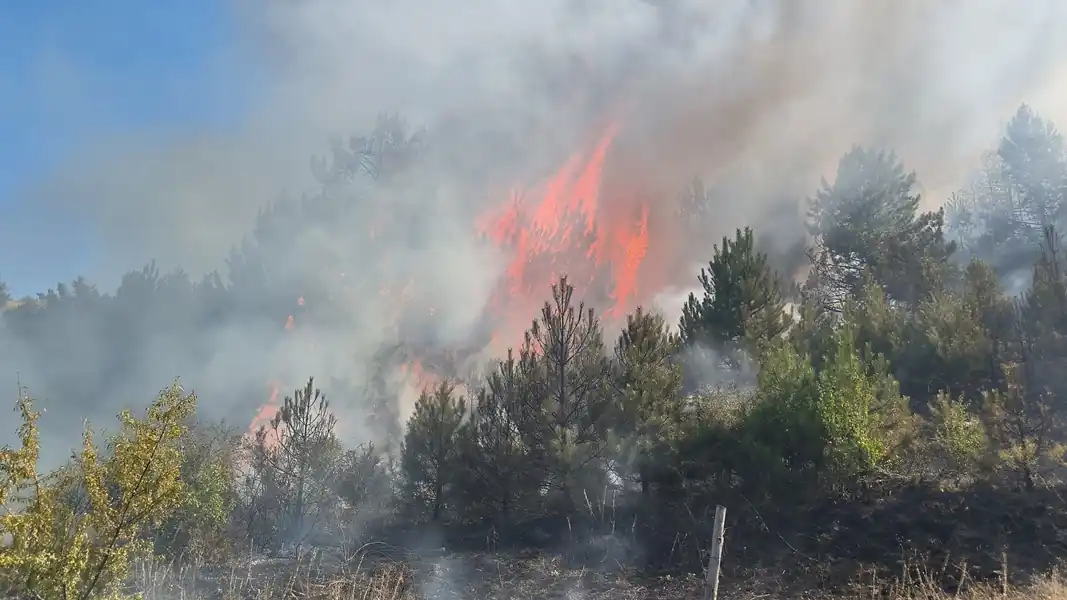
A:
{"points": [[584, 222]]}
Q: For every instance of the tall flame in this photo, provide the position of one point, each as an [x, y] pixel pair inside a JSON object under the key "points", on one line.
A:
{"points": [[570, 224], [569, 228]]}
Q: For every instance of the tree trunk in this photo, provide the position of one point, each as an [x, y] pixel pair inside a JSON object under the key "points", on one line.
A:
{"points": [[438, 489]]}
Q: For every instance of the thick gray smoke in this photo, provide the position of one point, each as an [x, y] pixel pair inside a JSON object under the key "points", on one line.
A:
{"points": [[768, 93]]}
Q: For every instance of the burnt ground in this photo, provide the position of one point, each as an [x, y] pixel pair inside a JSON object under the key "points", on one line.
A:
{"points": [[829, 542], [824, 548], [462, 576]]}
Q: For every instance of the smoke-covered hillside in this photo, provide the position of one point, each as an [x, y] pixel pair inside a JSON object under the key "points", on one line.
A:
{"points": [[801, 261]]}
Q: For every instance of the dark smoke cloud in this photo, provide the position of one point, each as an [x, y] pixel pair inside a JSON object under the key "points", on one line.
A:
{"points": [[758, 97]]}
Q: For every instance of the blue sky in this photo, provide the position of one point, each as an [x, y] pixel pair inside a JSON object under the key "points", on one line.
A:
{"points": [[74, 72]]}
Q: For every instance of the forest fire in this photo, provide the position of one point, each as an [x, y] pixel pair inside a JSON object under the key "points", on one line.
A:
{"points": [[583, 221], [268, 410], [567, 226]]}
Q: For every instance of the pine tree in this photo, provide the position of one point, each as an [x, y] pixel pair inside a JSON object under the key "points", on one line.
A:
{"points": [[563, 360], [300, 447], [1041, 326], [948, 349], [1001, 215], [868, 221], [494, 453], [742, 302], [1034, 161], [988, 219], [989, 305], [379, 404], [649, 382], [1023, 427], [431, 446], [363, 478], [865, 419]]}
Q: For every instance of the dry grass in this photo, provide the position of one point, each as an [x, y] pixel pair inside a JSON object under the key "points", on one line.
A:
{"points": [[486, 577], [1050, 587], [263, 579]]}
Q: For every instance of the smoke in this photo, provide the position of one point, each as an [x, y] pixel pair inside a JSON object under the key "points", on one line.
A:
{"points": [[768, 93]]}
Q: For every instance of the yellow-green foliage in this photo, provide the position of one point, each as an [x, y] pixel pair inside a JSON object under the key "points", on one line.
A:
{"points": [[782, 438], [198, 528], [865, 417], [208, 503], [847, 418], [959, 437], [1022, 428], [53, 550]]}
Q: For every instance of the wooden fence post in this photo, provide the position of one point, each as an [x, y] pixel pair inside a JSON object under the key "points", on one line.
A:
{"points": [[712, 583]]}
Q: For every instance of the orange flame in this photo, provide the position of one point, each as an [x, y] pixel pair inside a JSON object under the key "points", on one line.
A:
{"points": [[269, 409], [570, 230], [420, 378], [266, 411], [570, 224]]}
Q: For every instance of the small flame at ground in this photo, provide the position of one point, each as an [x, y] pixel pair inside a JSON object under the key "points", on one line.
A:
{"points": [[268, 410]]}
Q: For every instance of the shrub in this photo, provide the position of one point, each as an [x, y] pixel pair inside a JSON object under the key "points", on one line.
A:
{"points": [[56, 549]]}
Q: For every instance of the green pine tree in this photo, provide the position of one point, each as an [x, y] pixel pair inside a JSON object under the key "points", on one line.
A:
{"points": [[742, 304], [1033, 155], [650, 405], [566, 411], [868, 221], [990, 306], [1041, 328], [431, 445], [300, 447], [496, 461]]}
